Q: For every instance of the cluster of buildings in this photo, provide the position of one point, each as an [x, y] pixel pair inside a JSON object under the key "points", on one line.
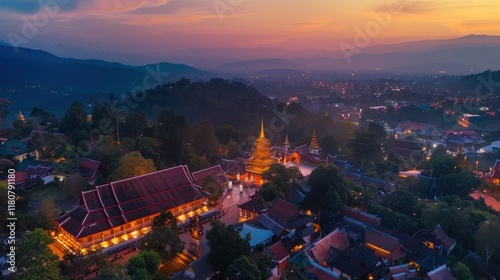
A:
{"points": [[361, 248]]}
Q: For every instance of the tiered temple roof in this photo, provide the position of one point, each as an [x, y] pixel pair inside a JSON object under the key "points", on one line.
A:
{"points": [[314, 141], [120, 202], [262, 156]]}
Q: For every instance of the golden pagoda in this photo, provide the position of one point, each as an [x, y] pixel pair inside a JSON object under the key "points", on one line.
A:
{"points": [[20, 117], [262, 157], [314, 146]]}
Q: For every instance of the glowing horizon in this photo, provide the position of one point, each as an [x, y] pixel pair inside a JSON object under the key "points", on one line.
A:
{"points": [[159, 26]]}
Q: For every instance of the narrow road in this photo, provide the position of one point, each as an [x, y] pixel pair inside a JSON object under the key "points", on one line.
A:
{"points": [[488, 199]]}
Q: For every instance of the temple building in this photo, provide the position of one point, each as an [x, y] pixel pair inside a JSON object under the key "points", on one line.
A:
{"points": [[262, 156], [122, 211], [311, 153]]}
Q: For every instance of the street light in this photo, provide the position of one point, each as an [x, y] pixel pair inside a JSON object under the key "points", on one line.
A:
{"points": [[477, 162]]}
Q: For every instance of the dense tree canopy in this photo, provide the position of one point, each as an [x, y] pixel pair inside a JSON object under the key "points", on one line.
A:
{"points": [[243, 268], [132, 165], [328, 191], [163, 241], [35, 258], [226, 245]]}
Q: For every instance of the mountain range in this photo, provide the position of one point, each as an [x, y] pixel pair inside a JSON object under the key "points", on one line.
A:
{"points": [[463, 55]]}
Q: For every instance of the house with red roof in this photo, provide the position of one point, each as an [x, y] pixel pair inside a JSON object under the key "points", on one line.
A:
{"points": [[123, 210], [88, 168], [215, 172], [440, 273], [384, 245], [494, 175], [287, 220]]}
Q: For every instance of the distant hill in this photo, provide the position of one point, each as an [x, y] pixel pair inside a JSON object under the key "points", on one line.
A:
{"points": [[462, 55], [29, 67], [34, 78]]}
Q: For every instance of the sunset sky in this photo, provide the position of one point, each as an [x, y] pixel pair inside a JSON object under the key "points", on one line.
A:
{"points": [[158, 26]]}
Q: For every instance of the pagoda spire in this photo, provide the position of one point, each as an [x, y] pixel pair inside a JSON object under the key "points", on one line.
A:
{"points": [[287, 143], [20, 117], [314, 146], [262, 128], [262, 156]]}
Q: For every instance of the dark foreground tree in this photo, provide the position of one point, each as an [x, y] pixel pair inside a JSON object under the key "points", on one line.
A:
{"points": [[163, 241], [226, 245], [35, 259], [243, 268], [144, 265]]}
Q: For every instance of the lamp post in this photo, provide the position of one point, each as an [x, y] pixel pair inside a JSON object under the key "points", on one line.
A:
{"points": [[477, 162]]}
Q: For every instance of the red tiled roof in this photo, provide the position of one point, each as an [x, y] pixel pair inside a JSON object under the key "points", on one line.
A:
{"points": [[337, 238], [88, 168], [282, 210], [216, 171], [440, 273], [361, 216], [381, 240], [127, 200], [448, 242], [21, 176], [279, 250], [41, 171], [414, 126], [321, 274]]}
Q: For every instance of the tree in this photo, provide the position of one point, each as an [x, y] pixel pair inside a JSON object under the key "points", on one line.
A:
{"points": [[270, 192], [74, 185], [165, 219], [77, 266], [226, 245], [3, 111], [132, 165], [114, 271], [163, 241], [281, 176], [488, 239], [204, 140], [402, 201], [214, 187], [363, 146], [48, 213], [243, 268], [327, 190], [377, 131], [461, 271], [329, 146], [35, 258], [460, 184], [145, 265], [48, 145], [74, 119]]}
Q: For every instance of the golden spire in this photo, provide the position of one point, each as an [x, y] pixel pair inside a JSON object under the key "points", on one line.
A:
{"points": [[262, 156], [314, 141], [20, 117], [287, 143], [262, 128]]}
